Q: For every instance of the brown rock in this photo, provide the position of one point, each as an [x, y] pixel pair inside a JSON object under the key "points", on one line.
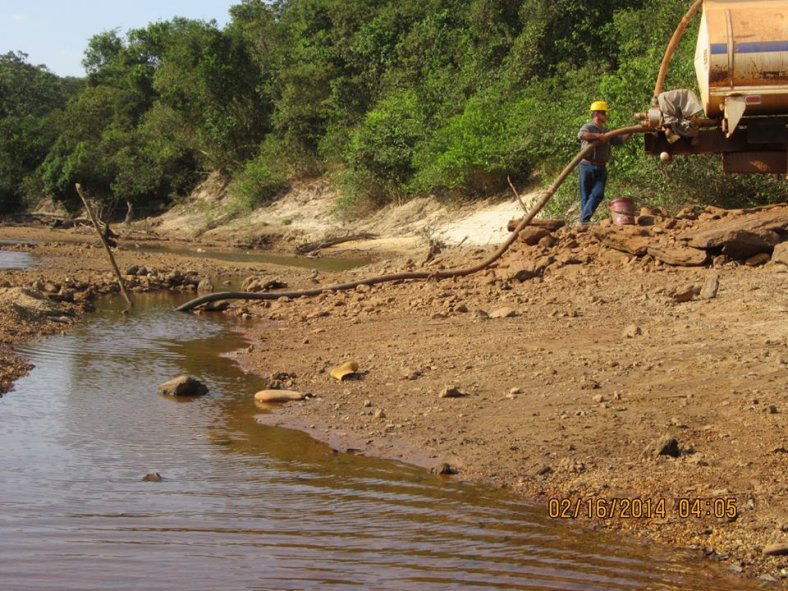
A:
{"points": [[531, 235], [504, 313], [681, 256], [710, 287], [645, 220], [525, 275], [625, 242], [780, 254], [205, 286], [444, 469], [631, 331], [183, 386], [686, 294], [452, 392], [664, 446], [757, 260], [742, 236]]}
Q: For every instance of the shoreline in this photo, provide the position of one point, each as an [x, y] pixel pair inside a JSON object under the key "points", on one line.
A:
{"points": [[559, 400]]}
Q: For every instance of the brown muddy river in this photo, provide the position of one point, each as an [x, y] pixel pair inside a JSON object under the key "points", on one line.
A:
{"points": [[244, 506]]}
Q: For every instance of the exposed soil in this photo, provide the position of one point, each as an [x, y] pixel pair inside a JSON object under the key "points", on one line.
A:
{"points": [[562, 372]]}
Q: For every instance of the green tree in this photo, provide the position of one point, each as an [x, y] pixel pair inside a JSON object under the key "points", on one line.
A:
{"points": [[30, 97]]}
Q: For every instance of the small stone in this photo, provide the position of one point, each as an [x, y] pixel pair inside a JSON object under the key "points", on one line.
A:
{"points": [[631, 331], [367, 403], [503, 313], [205, 286], [380, 414], [451, 392], [710, 287], [152, 477], [599, 398], [664, 446], [686, 293], [444, 469], [544, 471]]}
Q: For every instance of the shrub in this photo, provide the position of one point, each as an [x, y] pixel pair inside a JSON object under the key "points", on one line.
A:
{"points": [[383, 147], [254, 185]]}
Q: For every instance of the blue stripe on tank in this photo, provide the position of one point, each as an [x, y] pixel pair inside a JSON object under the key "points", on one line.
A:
{"points": [[751, 47]]}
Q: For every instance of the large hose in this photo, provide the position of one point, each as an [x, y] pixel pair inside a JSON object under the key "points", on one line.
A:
{"points": [[416, 275], [671, 48]]}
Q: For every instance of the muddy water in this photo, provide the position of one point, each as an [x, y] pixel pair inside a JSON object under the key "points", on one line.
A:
{"points": [[261, 256], [244, 506], [10, 259]]}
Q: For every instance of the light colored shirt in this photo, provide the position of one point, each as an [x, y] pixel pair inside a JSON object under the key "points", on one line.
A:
{"points": [[600, 153]]}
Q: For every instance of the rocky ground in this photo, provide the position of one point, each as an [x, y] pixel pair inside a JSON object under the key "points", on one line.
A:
{"points": [[630, 377]]}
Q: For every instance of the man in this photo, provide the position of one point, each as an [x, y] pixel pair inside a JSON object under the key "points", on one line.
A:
{"points": [[593, 168]]}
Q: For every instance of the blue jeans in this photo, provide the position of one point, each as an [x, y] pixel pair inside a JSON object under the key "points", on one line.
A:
{"points": [[592, 189]]}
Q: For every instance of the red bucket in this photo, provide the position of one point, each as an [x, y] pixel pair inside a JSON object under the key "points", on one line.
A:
{"points": [[622, 211]]}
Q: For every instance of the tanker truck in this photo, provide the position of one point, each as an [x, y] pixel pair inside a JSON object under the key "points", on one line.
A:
{"points": [[741, 63]]}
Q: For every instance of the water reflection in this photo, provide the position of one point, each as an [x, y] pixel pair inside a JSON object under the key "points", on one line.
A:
{"points": [[244, 506], [236, 256], [10, 259]]}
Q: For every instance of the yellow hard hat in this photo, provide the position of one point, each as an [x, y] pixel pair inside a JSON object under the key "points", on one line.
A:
{"points": [[599, 106]]}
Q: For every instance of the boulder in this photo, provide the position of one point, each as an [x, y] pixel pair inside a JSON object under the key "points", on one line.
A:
{"points": [[742, 236], [183, 386]]}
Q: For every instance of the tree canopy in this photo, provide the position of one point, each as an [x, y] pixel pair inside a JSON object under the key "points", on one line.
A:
{"points": [[391, 98]]}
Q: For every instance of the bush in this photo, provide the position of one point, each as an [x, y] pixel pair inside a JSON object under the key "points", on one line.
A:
{"points": [[254, 185], [383, 147]]}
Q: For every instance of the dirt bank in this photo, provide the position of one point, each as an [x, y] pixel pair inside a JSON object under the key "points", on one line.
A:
{"points": [[581, 367]]}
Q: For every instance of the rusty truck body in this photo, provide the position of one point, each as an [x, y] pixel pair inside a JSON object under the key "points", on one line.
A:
{"points": [[741, 63]]}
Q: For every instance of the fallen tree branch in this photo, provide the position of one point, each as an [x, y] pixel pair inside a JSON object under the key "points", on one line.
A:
{"points": [[516, 194], [313, 246]]}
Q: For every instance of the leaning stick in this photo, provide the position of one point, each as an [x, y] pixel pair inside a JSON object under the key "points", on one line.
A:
{"points": [[516, 194], [106, 247]]}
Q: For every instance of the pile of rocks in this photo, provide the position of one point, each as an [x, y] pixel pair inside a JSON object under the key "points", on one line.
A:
{"points": [[692, 238]]}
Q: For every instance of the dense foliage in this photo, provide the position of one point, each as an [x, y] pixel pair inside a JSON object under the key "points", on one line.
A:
{"points": [[391, 98]]}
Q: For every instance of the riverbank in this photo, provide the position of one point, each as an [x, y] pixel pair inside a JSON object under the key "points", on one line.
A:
{"points": [[561, 373]]}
